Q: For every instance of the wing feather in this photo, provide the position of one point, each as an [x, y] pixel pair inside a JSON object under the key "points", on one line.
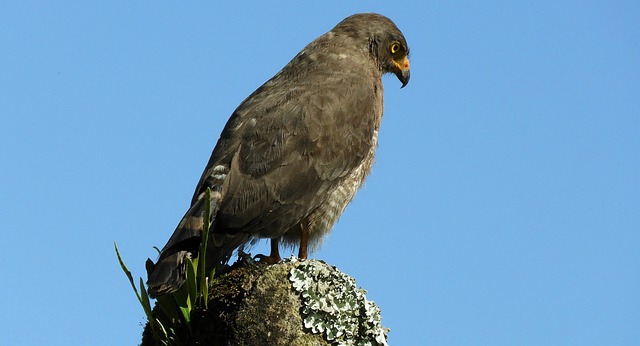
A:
{"points": [[286, 150]]}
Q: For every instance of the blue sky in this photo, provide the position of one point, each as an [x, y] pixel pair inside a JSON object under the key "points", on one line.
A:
{"points": [[504, 207]]}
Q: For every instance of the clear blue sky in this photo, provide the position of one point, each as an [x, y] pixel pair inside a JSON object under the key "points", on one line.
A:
{"points": [[504, 207]]}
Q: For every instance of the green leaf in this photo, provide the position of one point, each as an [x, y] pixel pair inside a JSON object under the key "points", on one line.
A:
{"points": [[156, 327], [168, 308], [191, 282], [202, 253], [127, 272], [181, 299], [176, 308]]}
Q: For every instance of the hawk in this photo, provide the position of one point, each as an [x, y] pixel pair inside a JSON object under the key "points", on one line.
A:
{"points": [[293, 154]]}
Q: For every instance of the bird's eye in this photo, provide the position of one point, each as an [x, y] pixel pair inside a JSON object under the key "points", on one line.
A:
{"points": [[395, 47]]}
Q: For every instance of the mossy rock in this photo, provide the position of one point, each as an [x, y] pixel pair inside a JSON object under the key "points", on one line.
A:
{"points": [[298, 303]]}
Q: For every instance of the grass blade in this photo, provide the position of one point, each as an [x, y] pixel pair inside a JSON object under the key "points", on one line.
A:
{"points": [[202, 254], [127, 272]]}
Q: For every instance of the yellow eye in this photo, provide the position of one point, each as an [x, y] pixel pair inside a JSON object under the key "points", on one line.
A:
{"points": [[395, 47]]}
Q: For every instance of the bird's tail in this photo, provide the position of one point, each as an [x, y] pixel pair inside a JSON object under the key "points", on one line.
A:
{"points": [[169, 272]]}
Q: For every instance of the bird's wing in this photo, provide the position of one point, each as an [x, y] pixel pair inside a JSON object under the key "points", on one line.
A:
{"points": [[285, 147]]}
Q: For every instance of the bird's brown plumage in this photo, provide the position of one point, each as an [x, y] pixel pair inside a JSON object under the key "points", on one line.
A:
{"points": [[293, 154]]}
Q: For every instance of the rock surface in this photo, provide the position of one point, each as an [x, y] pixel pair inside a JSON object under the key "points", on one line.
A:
{"points": [[293, 302]]}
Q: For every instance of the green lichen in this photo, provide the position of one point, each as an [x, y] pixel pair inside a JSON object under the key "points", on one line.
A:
{"points": [[333, 305]]}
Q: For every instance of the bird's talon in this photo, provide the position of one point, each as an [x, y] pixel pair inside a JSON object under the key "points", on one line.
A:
{"points": [[266, 259]]}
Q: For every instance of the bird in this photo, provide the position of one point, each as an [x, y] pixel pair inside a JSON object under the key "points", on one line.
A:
{"points": [[293, 154]]}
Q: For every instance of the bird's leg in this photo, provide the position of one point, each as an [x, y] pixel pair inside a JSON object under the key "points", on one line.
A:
{"points": [[275, 252], [274, 256], [304, 242]]}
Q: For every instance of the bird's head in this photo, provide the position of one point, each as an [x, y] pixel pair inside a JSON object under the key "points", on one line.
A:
{"points": [[398, 60], [386, 43]]}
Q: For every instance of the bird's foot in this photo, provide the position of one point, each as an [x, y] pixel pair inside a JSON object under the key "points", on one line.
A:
{"points": [[274, 256], [267, 259]]}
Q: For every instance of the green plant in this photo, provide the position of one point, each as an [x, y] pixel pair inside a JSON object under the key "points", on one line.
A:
{"points": [[174, 311]]}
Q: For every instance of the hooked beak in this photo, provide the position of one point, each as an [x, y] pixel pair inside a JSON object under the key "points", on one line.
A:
{"points": [[401, 70]]}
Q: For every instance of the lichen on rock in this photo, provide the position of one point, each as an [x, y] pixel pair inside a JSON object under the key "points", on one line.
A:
{"points": [[291, 303], [333, 305]]}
